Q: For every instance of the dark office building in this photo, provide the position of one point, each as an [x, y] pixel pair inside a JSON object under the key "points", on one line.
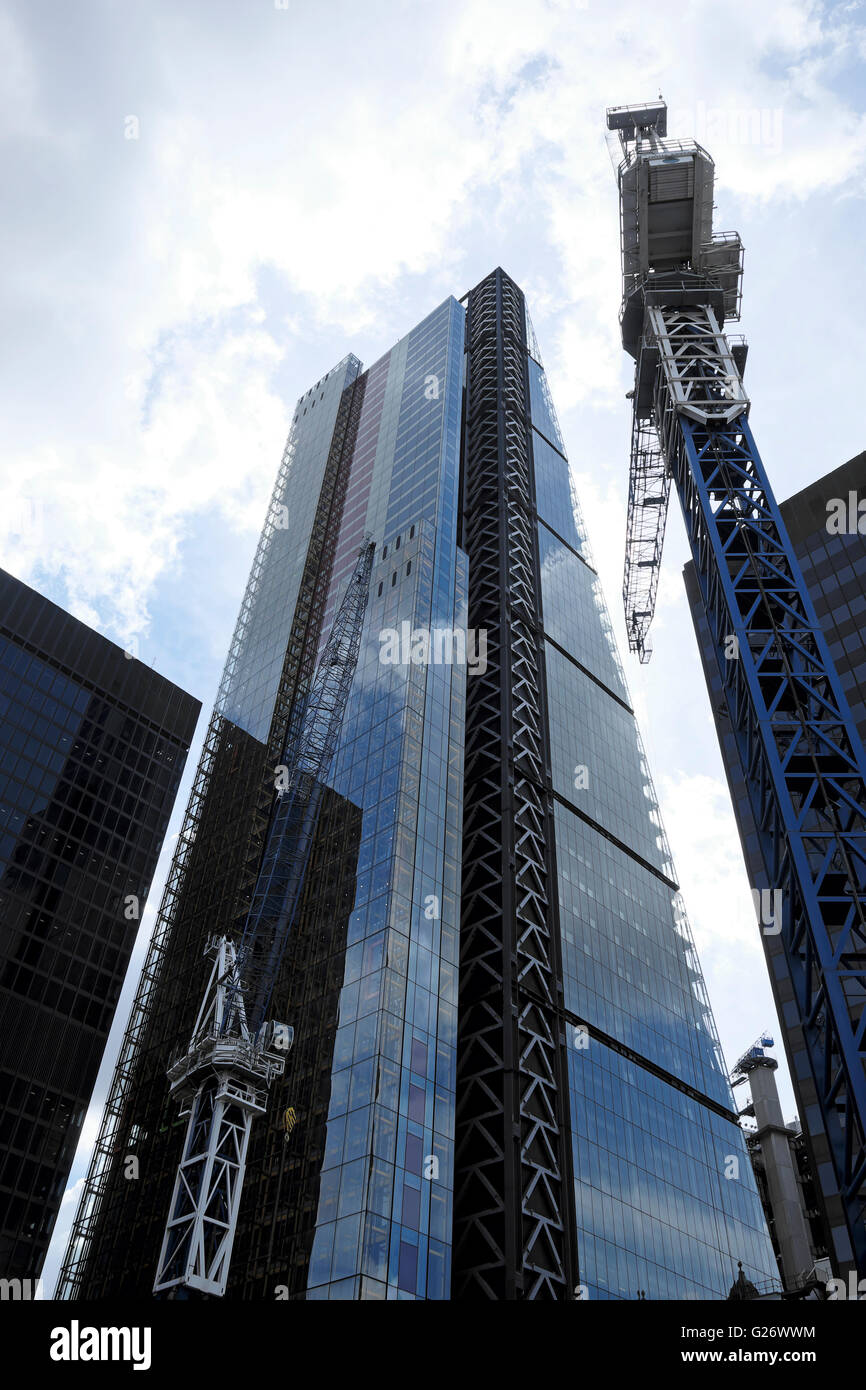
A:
{"points": [[92, 746], [506, 1080], [827, 524], [823, 522]]}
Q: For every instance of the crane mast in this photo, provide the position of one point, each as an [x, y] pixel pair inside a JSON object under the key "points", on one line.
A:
{"points": [[802, 762], [223, 1076]]}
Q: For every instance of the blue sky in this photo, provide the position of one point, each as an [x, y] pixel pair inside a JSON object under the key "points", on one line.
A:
{"points": [[311, 180]]}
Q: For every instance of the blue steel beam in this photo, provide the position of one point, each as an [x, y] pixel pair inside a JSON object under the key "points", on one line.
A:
{"points": [[802, 762]]}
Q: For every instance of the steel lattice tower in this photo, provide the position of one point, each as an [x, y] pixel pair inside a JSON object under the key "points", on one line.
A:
{"points": [[801, 759], [514, 1220]]}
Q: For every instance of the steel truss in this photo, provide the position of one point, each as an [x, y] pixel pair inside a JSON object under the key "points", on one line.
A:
{"points": [[222, 1080], [801, 758], [702, 375], [115, 1118], [307, 758], [514, 1224], [233, 1056], [298, 670], [648, 493]]}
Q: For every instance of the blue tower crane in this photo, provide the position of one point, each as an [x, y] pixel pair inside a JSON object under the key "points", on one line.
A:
{"points": [[802, 762], [222, 1078]]}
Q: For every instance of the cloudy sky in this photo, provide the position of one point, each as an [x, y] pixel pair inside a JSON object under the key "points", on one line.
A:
{"points": [[209, 202]]}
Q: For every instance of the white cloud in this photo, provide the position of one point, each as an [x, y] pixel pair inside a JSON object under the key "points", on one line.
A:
{"points": [[706, 849], [110, 516], [350, 179], [60, 1236]]}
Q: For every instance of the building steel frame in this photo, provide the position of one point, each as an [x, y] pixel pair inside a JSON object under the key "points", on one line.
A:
{"points": [[802, 763], [514, 1230]]}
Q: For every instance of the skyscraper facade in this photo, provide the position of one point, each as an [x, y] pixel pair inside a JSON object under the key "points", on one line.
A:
{"points": [[505, 1081], [594, 1119], [827, 525], [92, 747]]}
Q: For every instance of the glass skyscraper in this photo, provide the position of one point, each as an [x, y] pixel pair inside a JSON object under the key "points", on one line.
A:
{"points": [[92, 747], [505, 1081], [826, 522]]}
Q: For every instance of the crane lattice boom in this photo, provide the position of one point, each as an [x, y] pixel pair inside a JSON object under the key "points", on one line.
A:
{"points": [[222, 1078], [307, 759]]}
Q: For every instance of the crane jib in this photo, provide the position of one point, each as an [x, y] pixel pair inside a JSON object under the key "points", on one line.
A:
{"points": [[800, 757]]}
